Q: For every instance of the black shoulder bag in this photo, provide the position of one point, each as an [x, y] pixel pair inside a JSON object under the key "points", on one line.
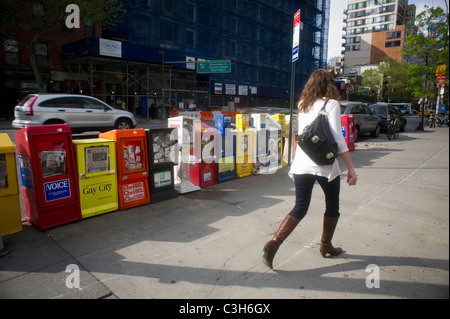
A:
{"points": [[317, 140]]}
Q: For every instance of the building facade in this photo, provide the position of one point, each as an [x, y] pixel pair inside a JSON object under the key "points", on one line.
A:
{"points": [[145, 60], [375, 29]]}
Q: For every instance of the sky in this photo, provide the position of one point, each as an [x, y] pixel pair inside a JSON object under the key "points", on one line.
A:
{"points": [[337, 8]]}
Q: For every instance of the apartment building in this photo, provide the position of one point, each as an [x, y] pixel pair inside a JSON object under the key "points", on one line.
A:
{"points": [[375, 29]]}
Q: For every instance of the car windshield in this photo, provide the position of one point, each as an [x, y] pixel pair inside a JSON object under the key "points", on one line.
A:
{"points": [[379, 109]]}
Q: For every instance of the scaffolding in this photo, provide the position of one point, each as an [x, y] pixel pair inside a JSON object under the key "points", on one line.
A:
{"points": [[254, 35]]}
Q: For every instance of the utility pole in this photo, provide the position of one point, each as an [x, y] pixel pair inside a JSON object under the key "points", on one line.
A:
{"points": [[295, 55]]}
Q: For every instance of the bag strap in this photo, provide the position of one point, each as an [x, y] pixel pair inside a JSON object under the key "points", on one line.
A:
{"points": [[324, 105]]}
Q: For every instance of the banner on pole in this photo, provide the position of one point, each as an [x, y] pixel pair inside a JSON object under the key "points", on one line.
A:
{"points": [[296, 38]]}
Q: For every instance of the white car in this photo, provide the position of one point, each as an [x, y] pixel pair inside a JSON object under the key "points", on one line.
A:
{"points": [[81, 112]]}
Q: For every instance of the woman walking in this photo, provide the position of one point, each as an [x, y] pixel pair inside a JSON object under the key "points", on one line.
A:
{"points": [[319, 89]]}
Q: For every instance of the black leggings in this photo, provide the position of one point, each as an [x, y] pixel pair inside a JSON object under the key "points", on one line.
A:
{"points": [[303, 190]]}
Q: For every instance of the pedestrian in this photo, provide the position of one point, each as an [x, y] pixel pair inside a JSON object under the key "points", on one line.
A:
{"points": [[304, 172]]}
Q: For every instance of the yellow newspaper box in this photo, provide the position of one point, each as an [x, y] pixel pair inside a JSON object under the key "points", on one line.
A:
{"points": [[10, 216], [245, 139], [281, 119], [97, 176]]}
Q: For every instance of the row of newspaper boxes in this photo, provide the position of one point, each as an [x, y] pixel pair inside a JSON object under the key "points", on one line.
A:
{"points": [[65, 180]]}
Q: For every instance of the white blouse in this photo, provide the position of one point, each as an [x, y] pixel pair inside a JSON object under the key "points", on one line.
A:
{"points": [[302, 164]]}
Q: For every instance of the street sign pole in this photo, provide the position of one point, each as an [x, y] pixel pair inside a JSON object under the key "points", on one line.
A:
{"points": [[295, 54]]}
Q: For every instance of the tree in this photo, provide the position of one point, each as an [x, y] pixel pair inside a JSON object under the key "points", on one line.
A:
{"points": [[371, 79], [388, 79], [394, 74], [429, 47], [27, 22]]}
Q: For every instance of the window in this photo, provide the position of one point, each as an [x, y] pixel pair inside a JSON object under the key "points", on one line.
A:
{"points": [[168, 33], [366, 110], [38, 15], [89, 30], [51, 103], [392, 44], [393, 35], [41, 52], [356, 110], [190, 12], [93, 104], [11, 49], [190, 38]]}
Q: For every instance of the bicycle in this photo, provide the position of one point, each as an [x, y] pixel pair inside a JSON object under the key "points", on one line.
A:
{"points": [[393, 128]]}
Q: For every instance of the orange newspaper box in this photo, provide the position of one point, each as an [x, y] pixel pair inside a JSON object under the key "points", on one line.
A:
{"points": [[132, 166]]}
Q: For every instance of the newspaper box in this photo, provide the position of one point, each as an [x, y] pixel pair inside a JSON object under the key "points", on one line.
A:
{"points": [[188, 152], [226, 163], [97, 176], [244, 146], [132, 166], [162, 158], [206, 168], [348, 130], [48, 175], [10, 215]]}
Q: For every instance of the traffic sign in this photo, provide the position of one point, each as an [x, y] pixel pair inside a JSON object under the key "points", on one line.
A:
{"points": [[214, 67], [296, 36], [440, 70]]}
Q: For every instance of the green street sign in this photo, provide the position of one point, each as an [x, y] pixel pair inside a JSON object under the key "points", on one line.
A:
{"points": [[214, 67]]}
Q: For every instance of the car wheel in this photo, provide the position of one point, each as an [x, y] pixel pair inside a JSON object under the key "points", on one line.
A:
{"points": [[403, 127], [356, 133], [123, 124], [376, 133]]}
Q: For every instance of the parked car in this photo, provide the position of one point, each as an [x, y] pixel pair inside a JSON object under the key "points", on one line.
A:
{"points": [[365, 120], [386, 111], [82, 113]]}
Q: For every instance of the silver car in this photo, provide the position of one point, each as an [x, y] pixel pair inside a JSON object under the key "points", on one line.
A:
{"points": [[365, 120], [82, 113]]}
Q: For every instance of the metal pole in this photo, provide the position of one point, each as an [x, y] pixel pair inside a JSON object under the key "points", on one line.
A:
{"points": [[292, 111]]}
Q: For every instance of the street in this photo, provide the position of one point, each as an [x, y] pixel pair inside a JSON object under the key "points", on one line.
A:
{"points": [[207, 244]]}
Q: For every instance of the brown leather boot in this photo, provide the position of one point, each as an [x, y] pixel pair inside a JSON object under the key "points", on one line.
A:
{"points": [[329, 225], [271, 247]]}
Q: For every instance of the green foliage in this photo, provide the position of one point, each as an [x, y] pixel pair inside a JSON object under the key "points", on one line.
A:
{"points": [[429, 48], [389, 80]]}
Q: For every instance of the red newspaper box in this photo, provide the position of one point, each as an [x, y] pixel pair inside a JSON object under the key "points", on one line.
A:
{"points": [[348, 130], [132, 166], [206, 172], [48, 174]]}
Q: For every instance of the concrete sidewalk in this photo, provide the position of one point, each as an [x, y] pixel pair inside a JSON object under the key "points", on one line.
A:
{"points": [[208, 244]]}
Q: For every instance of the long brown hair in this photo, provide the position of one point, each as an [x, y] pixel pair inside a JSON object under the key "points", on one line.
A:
{"points": [[320, 84]]}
